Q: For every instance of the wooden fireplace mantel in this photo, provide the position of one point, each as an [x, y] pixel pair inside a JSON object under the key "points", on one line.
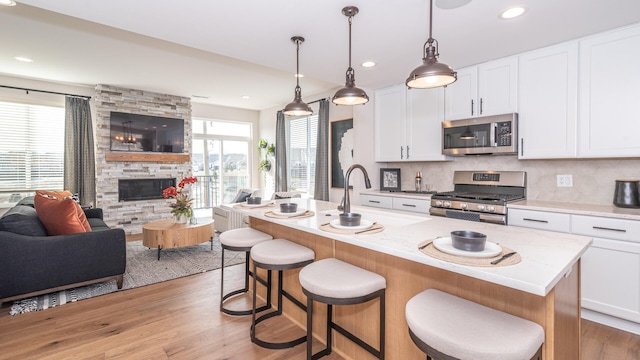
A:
{"points": [[148, 157]]}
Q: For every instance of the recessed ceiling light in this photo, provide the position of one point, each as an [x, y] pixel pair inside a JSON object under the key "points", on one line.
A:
{"points": [[512, 12], [7, 3], [298, 75], [23, 59], [368, 64], [246, 97]]}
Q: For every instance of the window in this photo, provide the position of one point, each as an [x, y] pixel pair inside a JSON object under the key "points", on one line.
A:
{"points": [[220, 160], [302, 135], [32, 148]]}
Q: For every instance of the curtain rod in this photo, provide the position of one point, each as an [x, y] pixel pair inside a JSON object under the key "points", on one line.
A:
{"points": [[46, 92]]}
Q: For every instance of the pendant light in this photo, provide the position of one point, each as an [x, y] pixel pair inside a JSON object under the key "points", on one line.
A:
{"points": [[431, 73], [297, 107], [467, 134], [350, 94]]}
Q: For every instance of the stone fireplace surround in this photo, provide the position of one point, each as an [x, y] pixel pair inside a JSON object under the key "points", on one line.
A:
{"points": [[131, 215]]}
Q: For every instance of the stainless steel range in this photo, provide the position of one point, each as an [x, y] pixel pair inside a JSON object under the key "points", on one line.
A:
{"points": [[480, 195]]}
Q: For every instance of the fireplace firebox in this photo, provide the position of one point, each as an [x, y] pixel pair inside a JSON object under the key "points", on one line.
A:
{"points": [[142, 189]]}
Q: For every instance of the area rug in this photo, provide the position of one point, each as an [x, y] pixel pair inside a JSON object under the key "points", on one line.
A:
{"points": [[143, 268]]}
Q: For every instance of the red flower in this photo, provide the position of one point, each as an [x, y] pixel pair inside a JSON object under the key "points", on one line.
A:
{"points": [[183, 203]]}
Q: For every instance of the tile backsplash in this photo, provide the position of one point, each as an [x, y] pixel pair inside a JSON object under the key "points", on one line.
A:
{"points": [[593, 179]]}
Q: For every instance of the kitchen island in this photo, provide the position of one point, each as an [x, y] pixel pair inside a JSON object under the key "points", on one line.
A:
{"points": [[543, 287]]}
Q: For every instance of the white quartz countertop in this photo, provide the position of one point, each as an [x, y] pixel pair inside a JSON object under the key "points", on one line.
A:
{"points": [[546, 256], [580, 209]]}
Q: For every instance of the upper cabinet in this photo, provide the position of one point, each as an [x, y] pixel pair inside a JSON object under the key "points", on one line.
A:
{"points": [[548, 101], [408, 124], [483, 90], [610, 94]]}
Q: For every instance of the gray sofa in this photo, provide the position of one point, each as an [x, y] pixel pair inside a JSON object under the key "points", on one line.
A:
{"points": [[32, 263]]}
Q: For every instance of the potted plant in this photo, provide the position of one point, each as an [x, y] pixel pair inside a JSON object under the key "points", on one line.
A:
{"points": [[269, 150], [265, 165]]}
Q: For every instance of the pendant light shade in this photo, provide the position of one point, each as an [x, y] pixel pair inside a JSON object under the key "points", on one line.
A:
{"points": [[297, 107], [431, 73], [467, 134], [350, 94]]}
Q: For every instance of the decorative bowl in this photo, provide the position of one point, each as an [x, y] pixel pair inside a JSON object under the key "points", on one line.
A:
{"points": [[350, 219], [288, 207], [254, 200], [468, 240]]}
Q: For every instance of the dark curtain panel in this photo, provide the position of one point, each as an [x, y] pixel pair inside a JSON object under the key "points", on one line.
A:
{"points": [[281, 153], [79, 157], [321, 190]]}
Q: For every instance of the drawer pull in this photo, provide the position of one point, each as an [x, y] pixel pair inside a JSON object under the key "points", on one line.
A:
{"points": [[609, 229], [536, 220], [374, 201], [408, 205]]}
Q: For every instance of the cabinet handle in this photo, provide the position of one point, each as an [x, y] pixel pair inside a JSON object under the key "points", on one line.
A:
{"points": [[609, 229], [481, 102], [374, 201], [401, 152], [536, 220], [471, 107], [408, 153], [408, 205], [521, 146]]}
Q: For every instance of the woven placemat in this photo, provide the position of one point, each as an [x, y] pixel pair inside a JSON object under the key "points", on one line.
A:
{"points": [[427, 248], [244, 206], [376, 228], [299, 216]]}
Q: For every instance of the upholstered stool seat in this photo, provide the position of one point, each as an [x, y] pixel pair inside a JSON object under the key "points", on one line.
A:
{"points": [[279, 255], [444, 326], [241, 239], [335, 282]]}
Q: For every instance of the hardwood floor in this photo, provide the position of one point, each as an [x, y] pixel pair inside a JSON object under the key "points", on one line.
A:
{"points": [[179, 319]]}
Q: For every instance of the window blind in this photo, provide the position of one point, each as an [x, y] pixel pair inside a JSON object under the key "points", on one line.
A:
{"points": [[32, 148], [302, 137]]}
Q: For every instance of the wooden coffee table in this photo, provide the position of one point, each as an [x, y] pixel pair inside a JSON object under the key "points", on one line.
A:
{"points": [[165, 234]]}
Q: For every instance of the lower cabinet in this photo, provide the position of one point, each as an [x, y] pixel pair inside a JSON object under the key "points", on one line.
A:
{"points": [[396, 203], [610, 268]]}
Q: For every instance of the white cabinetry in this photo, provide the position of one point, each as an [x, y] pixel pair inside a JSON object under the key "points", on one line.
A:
{"points": [[548, 101], [610, 94], [384, 202], [540, 220], [483, 90], [611, 267], [396, 203], [408, 124]]}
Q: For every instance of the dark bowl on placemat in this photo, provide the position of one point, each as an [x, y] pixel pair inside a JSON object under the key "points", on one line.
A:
{"points": [[288, 207], [350, 219], [468, 240], [254, 200]]}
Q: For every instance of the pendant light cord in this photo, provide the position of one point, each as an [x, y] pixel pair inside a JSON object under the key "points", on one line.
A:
{"points": [[297, 63], [350, 21]]}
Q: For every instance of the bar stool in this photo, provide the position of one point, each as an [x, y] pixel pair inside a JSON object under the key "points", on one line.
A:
{"points": [[241, 239], [447, 327], [279, 255], [334, 282]]}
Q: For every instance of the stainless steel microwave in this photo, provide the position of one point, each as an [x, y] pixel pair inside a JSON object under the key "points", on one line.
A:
{"points": [[483, 135]]}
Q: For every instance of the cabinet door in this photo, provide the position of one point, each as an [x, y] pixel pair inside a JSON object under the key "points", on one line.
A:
{"points": [[414, 205], [610, 278], [425, 113], [389, 120], [547, 114], [542, 220], [609, 94], [461, 96], [378, 201], [498, 87]]}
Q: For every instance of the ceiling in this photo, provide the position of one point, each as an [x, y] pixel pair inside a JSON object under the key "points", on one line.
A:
{"points": [[220, 51]]}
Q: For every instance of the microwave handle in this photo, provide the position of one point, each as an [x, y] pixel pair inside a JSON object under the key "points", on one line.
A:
{"points": [[494, 134]]}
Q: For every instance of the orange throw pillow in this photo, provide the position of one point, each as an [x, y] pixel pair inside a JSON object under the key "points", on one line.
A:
{"points": [[61, 216], [54, 194]]}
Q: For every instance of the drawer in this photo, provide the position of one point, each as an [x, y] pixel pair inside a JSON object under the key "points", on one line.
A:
{"points": [[384, 202], [608, 228], [413, 205], [542, 220]]}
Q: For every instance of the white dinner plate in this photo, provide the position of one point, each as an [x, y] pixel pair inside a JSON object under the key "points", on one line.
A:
{"points": [[364, 224], [280, 213], [490, 249], [267, 203]]}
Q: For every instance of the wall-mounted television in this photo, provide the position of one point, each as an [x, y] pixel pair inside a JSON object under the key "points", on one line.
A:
{"points": [[146, 133]]}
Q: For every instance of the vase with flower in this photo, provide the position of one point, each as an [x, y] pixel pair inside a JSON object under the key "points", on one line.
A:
{"points": [[181, 209]]}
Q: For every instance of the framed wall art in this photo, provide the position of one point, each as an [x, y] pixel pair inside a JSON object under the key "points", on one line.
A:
{"points": [[390, 179]]}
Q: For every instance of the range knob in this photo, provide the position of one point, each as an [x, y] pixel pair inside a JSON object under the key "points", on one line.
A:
{"points": [[439, 202], [463, 205], [447, 204], [481, 207], [492, 208]]}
